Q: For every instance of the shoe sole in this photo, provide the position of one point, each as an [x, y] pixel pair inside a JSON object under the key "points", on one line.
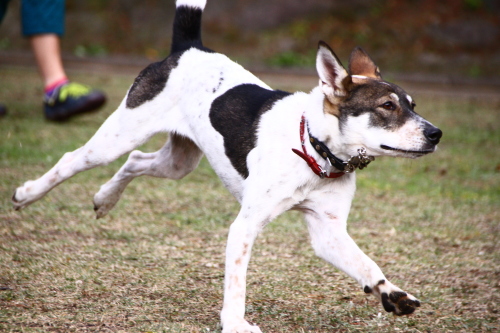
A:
{"points": [[91, 106]]}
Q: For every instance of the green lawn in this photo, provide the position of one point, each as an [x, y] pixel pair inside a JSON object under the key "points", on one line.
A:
{"points": [[155, 264]]}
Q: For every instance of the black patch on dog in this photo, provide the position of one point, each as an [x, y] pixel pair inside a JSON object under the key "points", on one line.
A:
{"points": [[221, 80], [368, 97], [387, 305], [405, 305], [236, 114], [187, 29], [151, 81], [395, 296]]}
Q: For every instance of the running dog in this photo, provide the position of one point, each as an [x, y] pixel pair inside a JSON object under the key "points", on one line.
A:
{"points": [[273, 150]]}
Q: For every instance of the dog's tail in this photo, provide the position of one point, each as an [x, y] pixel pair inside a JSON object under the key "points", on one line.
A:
{"points": [[187, 25]]}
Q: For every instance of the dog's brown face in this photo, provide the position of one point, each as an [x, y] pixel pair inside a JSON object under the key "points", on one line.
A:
{"points": [[373, 113]]}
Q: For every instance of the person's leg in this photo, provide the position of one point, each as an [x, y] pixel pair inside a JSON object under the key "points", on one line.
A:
{"points": [[47, 51], [43, 24], [3, 10]]}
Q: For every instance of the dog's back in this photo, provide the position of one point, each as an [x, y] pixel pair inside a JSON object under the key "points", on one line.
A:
{"points": [[206, 97]]}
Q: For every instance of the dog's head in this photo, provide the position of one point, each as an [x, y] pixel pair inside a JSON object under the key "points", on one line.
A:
{"points": [[372, 113]]}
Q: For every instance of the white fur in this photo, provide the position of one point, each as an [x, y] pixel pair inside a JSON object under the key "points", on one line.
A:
{"points": [[410, 100], [278, 180], [361, 77], [192, 3]]}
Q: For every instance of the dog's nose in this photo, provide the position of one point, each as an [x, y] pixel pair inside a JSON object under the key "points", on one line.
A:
{"points": [[433, 134]]}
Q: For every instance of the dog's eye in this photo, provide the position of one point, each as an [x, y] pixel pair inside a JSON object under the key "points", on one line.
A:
{"points": [[389, 106]]}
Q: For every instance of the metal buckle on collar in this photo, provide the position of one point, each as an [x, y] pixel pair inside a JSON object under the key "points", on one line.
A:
{"points": [[322, 173], [360, 162]]}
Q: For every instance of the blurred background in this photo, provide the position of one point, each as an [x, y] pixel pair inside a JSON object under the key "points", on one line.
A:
{"points": [[450, 37]]}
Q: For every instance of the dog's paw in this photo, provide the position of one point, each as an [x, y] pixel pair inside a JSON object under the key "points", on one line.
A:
{"points": [[23, 196], [104, 203], [394, 299], [108, 196], [400, 303], [241, 326], [16, 202]]}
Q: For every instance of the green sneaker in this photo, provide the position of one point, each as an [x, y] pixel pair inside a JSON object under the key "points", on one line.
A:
{"points": [[71, 99]]}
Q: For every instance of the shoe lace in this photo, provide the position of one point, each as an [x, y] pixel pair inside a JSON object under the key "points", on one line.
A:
{"points": [[72, 89]]}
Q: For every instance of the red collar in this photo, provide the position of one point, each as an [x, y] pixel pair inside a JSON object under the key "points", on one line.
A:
{"points": [[315, 167]]}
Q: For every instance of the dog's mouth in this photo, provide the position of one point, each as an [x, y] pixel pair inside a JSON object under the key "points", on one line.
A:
{"points": [[409, 152]]}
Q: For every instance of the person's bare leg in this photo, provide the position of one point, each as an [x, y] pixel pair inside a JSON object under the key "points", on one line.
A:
{"points": [[47, 51]]}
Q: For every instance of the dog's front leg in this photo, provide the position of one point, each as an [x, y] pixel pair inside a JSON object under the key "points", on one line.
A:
{"points": [[326, 221], [241, 237]]}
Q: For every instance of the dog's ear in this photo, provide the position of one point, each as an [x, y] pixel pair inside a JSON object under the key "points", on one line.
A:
{"points": [[333, 76], [360, 63]]}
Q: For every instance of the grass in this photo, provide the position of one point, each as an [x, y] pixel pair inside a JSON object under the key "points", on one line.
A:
{"points": [[155, 264]]}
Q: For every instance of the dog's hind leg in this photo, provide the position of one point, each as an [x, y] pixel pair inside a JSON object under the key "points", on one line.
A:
{"points": [[123, 131], [177, 158]]}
